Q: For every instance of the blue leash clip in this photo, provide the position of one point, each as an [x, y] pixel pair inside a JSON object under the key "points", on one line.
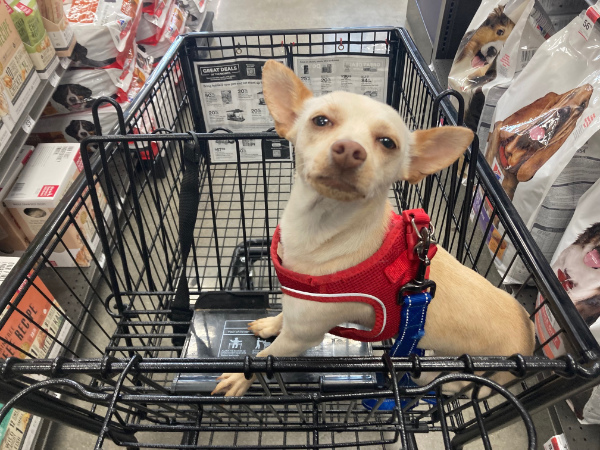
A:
{"points": [[415, 299], [412, 329]]}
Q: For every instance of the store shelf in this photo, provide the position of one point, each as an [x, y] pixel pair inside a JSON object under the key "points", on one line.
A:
{"points": [[33, 111], [579, 437]]}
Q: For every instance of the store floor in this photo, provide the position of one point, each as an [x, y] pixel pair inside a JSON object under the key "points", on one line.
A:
{"points": [[277, 14]]}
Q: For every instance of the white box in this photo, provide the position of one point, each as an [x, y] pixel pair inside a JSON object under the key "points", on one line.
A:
{"points": [[43, 182], [12, 239], [558, 442]]}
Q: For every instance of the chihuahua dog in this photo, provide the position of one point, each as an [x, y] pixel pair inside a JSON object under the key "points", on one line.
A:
{"points": [[350, 149]]}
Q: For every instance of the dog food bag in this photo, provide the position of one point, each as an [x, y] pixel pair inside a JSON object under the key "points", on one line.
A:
{"points": [[105, 31], [141, 72], [28, 21], [195, 10], [543, 147], [60, 33], [172, 24], [12, 239], [17, 74], [39, 188], [501, 39], [576, 263], [18, 430], [79, 88], [73, 127]]}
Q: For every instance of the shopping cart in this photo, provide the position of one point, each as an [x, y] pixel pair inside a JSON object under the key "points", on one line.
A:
{"points": [[120, 368]]}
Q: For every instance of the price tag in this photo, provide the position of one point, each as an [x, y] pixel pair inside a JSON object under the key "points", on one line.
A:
{"points": [[587, 26], [54, 79], [64, 62], [28, 124]]}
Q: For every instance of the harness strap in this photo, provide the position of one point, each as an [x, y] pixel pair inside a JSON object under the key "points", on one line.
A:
{"points": [[412, 325]]}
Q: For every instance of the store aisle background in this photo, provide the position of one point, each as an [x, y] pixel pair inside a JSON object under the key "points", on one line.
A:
{"points": [[242, 15]]}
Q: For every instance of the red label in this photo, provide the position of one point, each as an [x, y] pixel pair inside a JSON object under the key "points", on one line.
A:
{"points": [[593, 14], [27, 156], [48, 190], [505, 60], [26, 9], [588, 120], [78, 161], [10, 10]]}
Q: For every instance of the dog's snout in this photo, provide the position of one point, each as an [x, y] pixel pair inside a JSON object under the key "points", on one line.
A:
{"points": [[348, 154]]}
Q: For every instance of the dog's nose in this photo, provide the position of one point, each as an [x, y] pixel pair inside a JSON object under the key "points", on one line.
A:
{"points": [[348, 154]]}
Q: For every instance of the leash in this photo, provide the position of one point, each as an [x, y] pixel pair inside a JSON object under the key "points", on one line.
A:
{"points": [[415, 296]]}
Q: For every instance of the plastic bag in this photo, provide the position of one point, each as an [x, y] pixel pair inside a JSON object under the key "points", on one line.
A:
{"points": [[540, 123], [501, 39], [105, 31]]}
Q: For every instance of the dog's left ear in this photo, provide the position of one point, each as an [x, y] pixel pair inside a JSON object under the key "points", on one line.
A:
{"points": [[435, 149], [284, 95]]}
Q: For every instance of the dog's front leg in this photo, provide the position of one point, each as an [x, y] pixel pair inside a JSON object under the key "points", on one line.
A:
{"points": [[295, 338], [286, 344], [267, 326]]}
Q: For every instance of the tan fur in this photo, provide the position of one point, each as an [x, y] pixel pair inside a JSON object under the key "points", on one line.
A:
{"points": [[326, 229]]}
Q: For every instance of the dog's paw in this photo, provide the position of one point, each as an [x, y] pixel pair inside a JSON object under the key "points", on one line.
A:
{"points": [[232, 385], [266, 327]]}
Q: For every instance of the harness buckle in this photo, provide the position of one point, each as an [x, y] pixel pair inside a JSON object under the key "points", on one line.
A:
{"points": [[421, 248]]}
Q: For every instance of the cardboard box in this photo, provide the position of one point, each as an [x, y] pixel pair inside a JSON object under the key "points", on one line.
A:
{"points": [[61, 35], [27, 18], [18, 430], [43, 182], [6, 121], [12, 239], [17, 75]]}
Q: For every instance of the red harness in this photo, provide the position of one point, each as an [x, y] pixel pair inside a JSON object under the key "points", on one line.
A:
{"points": [[375, 281]]}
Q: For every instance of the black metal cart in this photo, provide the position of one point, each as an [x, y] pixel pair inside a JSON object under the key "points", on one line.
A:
{"points": [[121, 359]]}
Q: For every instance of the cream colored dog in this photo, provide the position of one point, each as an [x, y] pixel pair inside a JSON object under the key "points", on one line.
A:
{"points": [[349, 151]]}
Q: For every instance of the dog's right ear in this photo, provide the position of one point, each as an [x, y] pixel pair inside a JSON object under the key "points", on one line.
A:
{"points": [[284, 95]]}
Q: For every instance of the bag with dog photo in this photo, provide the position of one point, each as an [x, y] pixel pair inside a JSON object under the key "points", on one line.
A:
{"points": [[78, 89], [539, 148], [105, 31], [576, 263], [500, 41]]}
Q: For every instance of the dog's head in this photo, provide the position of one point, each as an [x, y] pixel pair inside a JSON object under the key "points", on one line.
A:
{"points": [[578, 266], [525, 140], [497, 26], [483, 44], [80, 129], [349, 146], [72, 96]]}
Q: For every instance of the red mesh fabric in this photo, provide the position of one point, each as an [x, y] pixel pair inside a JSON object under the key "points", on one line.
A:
{"points": [[379, 277]]}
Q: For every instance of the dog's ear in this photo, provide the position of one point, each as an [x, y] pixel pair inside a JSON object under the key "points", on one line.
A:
{"points": [[435, 149], [284, 95]]}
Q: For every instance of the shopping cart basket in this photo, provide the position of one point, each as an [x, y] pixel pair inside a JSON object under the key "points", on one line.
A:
{"points": [[116, 368]]}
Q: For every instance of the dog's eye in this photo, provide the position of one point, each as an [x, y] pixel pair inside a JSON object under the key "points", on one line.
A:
{"points": [[321, 121], [387, 143], [500, 32]]}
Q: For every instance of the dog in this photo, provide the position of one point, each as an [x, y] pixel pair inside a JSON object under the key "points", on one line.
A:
{"points": [[524, 141], [73, 96], [478, 49], [350, 149], [476, 59], [80, 130], [577, 269]]}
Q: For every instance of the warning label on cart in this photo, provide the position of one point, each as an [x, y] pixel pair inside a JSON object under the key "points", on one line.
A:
{"points": [[237, 340], [232, 98], [360, 74]]}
